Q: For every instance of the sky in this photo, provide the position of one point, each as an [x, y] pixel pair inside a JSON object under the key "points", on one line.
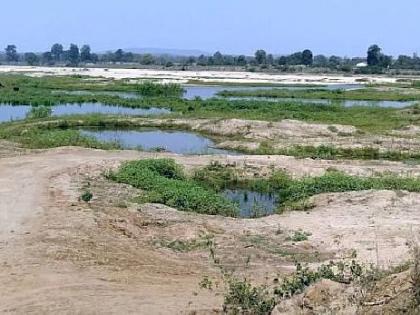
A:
{"points": [[340, 27]]}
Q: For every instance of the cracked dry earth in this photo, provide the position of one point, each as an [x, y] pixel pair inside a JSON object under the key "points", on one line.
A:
{"points": [[60, 255]]}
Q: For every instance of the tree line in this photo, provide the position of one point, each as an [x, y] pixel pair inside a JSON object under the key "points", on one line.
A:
{"points": [[375, 60]]}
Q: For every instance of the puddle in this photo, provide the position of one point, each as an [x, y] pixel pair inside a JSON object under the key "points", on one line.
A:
{"points": [[18, 112], [252, 204], [209, 91], [179, 142]]}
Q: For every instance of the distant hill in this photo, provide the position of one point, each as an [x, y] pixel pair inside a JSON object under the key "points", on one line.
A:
{"points": [[165, 51]]}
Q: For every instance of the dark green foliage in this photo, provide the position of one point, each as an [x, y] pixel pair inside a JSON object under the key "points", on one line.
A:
{"points": [[298, 236], [86, 196], [303, 277], [155, 89], [293, 193], [367, 94], [295, 190], [39, 139], [243, 298], [164, 182], [216, 176]]}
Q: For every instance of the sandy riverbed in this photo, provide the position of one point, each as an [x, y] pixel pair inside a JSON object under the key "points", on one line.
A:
{"points": [[203, 76]]}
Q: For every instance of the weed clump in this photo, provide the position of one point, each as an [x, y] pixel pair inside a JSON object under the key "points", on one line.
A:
{"points": [[163, 181], [39, 112], [86, 196], [244, 298]]}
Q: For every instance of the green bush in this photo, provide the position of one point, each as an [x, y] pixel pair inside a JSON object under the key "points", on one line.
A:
{"points": [[164, 182], [155, 89], [216, 176], [243, 298], [86, 196]]}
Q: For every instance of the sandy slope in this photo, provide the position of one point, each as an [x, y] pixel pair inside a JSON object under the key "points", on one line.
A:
{"points": [[58, 255]]}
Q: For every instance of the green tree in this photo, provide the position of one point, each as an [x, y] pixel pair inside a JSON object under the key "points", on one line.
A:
{"points": [[57, 52], [202, 60], [218, 58], [320, 61], [307, 57], [73, 55], [270, 59], [31, 59], [11, 53], [47, 58], [119, 55], [385, 61], [85, 54], [374, 55], [241, 61], [261, 56], [147, 59], [334, 61]]}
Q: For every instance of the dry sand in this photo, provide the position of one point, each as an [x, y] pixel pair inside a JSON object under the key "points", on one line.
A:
{"points": [[203, 76], [60, 255]]}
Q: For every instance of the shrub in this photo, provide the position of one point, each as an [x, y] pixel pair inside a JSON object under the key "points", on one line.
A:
{"points": [[86, 196], [164, 182], [243, 298]]}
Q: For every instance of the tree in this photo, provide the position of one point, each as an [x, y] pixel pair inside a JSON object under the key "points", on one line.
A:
{"points": [[218, 58], [85, 54], [374, 55], [11, 53], [241, 61], [334, 61], [147, 59], [73, 54], [47, 58], [57, 52], [31, 58], [228, 60], [202, 60], [320, 61], [191, 60], [119, 55], [385, 61], [307, 57], [94, 58], [270, 59], [261, 56], [282, 61]]}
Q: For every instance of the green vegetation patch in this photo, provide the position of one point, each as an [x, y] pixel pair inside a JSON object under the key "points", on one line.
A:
{"points": [[329, 152], [34, 138], [22, 83], [368, 94], [164, 182], [294, 192]]}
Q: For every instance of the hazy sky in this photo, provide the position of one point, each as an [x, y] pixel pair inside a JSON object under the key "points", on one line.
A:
{"points": [[343, 27]]}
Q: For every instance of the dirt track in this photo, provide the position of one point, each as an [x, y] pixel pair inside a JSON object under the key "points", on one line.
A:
{"points": [[59, 256]]}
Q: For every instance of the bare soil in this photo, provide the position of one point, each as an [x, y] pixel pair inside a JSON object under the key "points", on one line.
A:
{"points": [[200, 76], [61, 255]]}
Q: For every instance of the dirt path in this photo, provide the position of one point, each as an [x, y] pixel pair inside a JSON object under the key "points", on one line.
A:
{"points": [[59, 256], [34, 192]]}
